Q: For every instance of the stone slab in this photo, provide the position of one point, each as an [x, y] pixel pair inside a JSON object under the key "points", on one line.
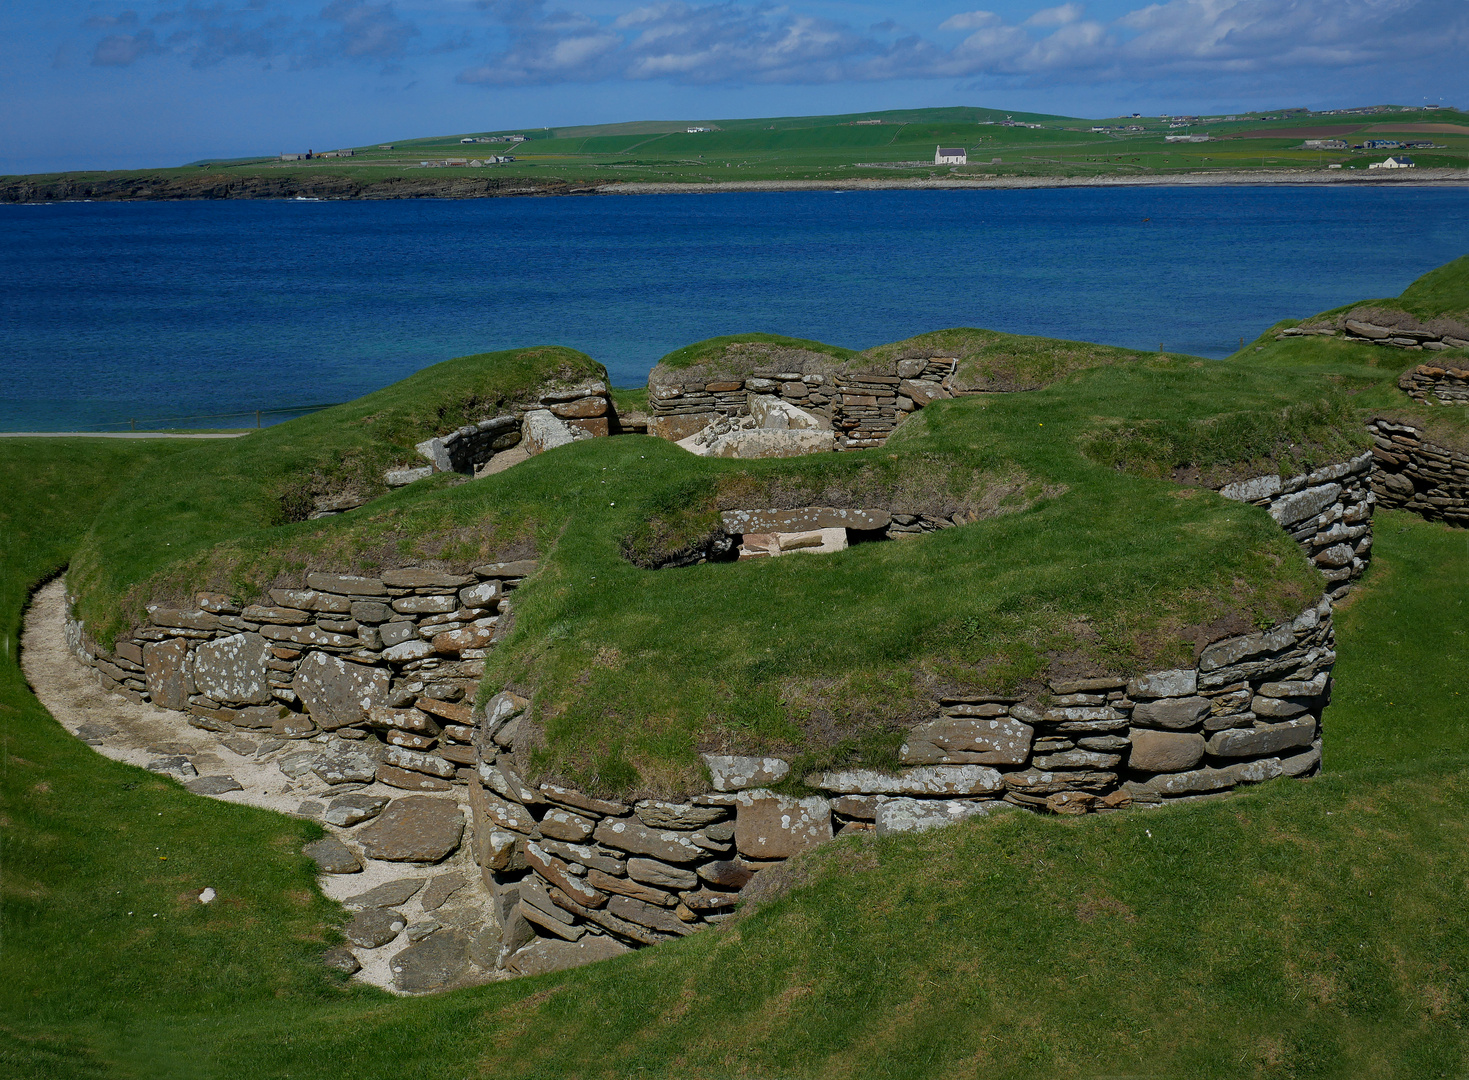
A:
{"points": [[904, 815], [233, 669], [1164, 751], [770, 826], [338, 693], [164, 674], [924, 780], [414, 829], [736, 773], [993, 740], [434, 963]]}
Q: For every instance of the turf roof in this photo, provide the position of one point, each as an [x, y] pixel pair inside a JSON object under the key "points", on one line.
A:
{"points": [[1095, 546]]}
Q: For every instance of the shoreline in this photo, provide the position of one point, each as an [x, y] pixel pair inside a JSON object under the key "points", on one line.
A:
{"points": [[1425, 178], [340, 188]]}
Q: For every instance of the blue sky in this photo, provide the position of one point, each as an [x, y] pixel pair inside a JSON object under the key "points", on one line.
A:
{"points": [[138, 83]]}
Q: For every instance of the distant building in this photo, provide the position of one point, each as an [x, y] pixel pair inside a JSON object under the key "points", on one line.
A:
{"points": [[1324, 144], [1402, 161], [462, 141], [1383, 144], [294, 157], [1185, 138], [385, 146], [696, 130], [951, 155]]}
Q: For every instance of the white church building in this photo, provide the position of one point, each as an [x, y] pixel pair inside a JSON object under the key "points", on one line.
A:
{"points": [[950, 155]]}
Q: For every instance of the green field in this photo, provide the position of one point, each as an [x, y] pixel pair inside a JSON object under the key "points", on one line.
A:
{"points": [[1300, 929], [896, 145]]}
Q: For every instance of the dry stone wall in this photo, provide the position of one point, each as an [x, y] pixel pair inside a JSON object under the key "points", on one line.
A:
{"points": [[1414, 473], [575, 875], [388, 665], [1436, 385], [562, 414], [1390, 329], [861, 408], [1328, 512], [390, 662]]}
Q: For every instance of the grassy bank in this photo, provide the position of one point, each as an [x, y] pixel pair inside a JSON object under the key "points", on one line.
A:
{"points": [[1303, 929], [1298, 929], [634, 670], [893, 145]]}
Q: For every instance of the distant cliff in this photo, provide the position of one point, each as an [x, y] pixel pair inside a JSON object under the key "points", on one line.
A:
{"points": [[277, 184]]}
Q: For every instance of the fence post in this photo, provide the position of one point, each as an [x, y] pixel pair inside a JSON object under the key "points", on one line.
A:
{"points": [[257, 419], [132, 425]]}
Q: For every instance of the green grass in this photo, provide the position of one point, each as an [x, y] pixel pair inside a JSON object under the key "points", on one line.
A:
{"points": [[814, 148], [1301, 929], [710, 352], [92, 849], [269, 478]]}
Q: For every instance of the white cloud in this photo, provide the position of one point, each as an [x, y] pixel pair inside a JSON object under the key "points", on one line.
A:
{"points": [[1056, 16], [971, 20]]}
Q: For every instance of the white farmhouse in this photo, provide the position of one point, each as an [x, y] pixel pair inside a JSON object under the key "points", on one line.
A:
{"points": [[1399, 162], [950, 155]]}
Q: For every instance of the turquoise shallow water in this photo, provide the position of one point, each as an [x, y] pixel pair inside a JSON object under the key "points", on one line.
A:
{"points": [[149, 310]]}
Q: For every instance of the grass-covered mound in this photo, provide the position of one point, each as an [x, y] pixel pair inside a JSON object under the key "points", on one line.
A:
{"points": [[270, 479], [1083, 555], [1299, 929], [1368, 374], [992, 361]]}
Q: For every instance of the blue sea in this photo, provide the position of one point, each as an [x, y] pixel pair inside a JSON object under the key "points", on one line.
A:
{"points": [[118, 312]]}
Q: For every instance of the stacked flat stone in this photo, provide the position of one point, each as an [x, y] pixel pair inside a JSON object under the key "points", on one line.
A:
{"points": [[1391, 329], [1414, 473], [1436, 385], [559, 415], [569, 867], [1328, 512], [1409, 334], [863, 408], [387, 660]]}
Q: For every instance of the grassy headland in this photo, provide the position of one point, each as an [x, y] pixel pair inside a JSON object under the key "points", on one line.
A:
{"points": [[895, 146]]}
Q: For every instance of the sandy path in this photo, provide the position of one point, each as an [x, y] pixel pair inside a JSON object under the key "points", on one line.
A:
{"points": [[140, 734]]}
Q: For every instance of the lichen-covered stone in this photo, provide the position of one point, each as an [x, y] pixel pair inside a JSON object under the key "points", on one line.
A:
{"points": [[233, 669], [994, 740], [414, 829], [924, 780], [770, 826], [164, 673], [904, 815], [735, 773], [338, 693]]}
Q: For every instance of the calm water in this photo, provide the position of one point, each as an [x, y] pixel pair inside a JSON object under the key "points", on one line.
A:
{"points": [[149, 310]]}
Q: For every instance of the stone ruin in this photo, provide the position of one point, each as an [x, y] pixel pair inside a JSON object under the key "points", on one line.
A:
{"points": [[561, 415], [1391, 329], [365, 684], [813, 404]]}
